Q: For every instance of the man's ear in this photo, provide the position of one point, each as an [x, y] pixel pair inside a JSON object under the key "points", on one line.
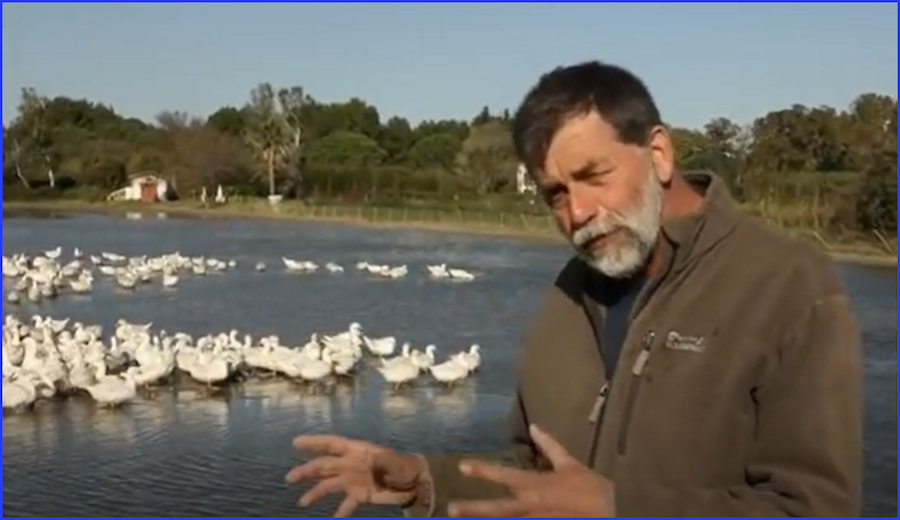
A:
{"points": [[662, 154]]}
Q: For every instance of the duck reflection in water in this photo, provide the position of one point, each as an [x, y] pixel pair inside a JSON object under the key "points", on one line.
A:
{"points": [[452, 405], [110, 424], [396, 404], [38, 429]]}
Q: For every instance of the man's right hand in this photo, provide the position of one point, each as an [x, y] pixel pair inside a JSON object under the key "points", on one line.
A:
{"points": [[364, 472]]}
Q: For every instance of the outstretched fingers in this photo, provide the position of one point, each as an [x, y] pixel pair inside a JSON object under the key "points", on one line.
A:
{"points": [[321, 468], [347, 508], [323, 444], [551, 448], [324, 488], [513, 478]]}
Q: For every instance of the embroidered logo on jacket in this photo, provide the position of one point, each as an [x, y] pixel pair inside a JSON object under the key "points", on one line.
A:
{"points": [[676, 341]]}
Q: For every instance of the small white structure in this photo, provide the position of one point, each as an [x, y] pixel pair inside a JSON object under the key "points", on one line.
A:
{"points": [[143, 187], [524, 183], [220, 195]]}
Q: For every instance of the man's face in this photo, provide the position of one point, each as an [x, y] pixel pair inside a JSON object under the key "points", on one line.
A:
{"points": [[606, 196]]}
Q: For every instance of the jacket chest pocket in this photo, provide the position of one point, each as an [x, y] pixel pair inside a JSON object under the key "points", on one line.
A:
{"points": [[694, 406], [698, 369]]}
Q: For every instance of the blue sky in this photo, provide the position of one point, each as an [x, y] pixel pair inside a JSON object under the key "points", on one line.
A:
{"points": [[447, 60]]}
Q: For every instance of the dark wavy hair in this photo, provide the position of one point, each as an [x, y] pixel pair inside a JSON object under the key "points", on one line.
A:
{"points": [[616, 94]]}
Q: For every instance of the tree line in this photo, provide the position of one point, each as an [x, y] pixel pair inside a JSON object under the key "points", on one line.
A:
{"points": [[813, 167]]}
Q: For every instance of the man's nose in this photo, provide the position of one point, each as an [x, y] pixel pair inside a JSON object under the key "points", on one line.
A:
{"points": [[582, 209]]}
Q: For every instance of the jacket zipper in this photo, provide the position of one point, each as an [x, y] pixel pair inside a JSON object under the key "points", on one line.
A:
{"points": [[594, 419], [637, 372]]}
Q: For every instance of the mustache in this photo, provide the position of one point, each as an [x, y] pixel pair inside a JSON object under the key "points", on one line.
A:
{"points": [[595, 228]]}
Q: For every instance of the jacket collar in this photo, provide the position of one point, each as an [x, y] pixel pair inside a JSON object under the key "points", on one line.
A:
{"points": [[688, 238]]}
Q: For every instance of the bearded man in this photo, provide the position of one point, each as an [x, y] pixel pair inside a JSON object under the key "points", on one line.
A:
{"points": [[690, 361]]}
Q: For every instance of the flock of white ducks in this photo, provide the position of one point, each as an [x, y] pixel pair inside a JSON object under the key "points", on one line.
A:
{"points": [[440, 271], [44, 276], [47, 358]]}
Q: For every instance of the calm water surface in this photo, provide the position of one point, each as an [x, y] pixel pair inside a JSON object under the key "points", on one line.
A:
{"points": [[185, 456]]}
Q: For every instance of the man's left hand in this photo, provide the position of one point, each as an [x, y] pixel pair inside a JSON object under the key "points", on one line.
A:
{"points": [[569, 490]]}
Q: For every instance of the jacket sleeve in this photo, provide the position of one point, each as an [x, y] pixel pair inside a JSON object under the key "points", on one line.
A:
{"points": [[446, 483], [808, 456]]}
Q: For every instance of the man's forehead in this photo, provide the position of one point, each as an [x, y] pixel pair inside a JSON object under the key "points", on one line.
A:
{"points": [[581, 140], [583, 129], [577, 163]]}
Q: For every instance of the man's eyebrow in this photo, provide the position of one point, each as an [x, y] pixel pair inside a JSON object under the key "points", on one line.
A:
{"points": [[585, 171], [590, 168]]}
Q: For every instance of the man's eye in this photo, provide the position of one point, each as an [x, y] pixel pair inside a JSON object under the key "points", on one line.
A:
{"points": [[600, 177], [554, 198]]}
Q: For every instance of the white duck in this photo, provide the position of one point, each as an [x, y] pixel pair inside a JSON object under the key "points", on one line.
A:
{"points": [[471, 359], [343, 361], [461, 275], [399, 373], [381, 347], [208, 368], [404, 357], [169, 280], [353, 334], [19, 393], [424, 360], [298, 266], [114, 391], [438, 271], [450, 372], [314, 370]]}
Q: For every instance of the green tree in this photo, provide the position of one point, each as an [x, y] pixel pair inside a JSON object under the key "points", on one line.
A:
{"points": [[396, 138], [346, 150], [487, 160], [229, 121], [435, 151], [877, 204]]}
